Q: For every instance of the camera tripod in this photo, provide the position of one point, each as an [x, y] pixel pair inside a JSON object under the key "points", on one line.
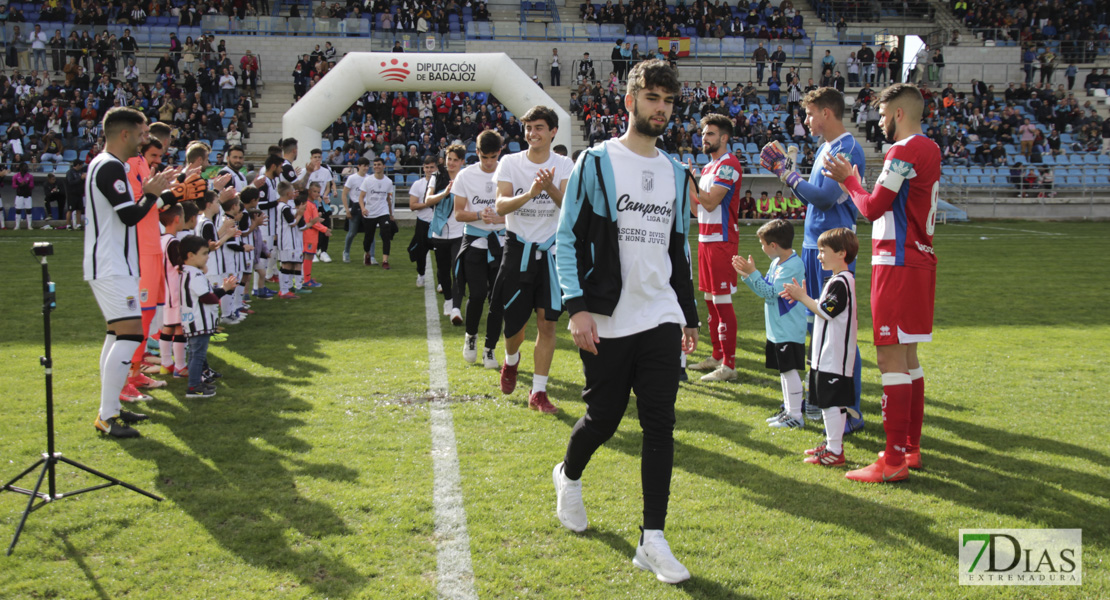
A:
{"points": [[50, 458]]}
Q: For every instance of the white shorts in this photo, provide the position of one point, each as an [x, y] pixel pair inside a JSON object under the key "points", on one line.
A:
{"points": [[118, 297], [293, 256], [23, 202]]}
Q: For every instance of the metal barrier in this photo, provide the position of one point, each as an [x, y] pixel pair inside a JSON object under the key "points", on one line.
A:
{"points": [[730, 71]]}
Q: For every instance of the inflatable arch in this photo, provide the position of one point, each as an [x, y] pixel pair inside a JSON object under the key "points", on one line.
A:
{"points": [[359, 72]]}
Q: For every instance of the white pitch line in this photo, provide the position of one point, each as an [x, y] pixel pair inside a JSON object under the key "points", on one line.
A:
{"points": [[1011, 229], [455, 578]]}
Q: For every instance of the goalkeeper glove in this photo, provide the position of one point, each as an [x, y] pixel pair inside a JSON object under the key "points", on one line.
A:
{"points": [[773, 158]]}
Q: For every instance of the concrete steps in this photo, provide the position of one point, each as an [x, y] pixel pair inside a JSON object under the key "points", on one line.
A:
{"points": [[269, 109]]}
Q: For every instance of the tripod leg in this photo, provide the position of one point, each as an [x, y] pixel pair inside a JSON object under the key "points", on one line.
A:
{"points": [[109, 478], [30, 505], [21, 475]]}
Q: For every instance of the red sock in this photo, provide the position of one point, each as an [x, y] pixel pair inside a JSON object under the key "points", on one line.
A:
{"points": [[726, 332], [713, 320], [307, 268], [896, 415], [137, 358], [917, 408]]}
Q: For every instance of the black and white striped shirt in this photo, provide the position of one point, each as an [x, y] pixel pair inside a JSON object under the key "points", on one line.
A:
{"points": [[197, 318], [111, 246], [835, 328]]}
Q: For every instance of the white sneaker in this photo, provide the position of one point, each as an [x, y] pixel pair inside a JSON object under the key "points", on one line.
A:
{"points": [[488, 361], [721, 373], [470, 348], [706, 365], [324, 257], [439, 289], [373, 262], [316, 258], [654, 554], [419, 281], [456, 316], [47, 227], [447, 308], [788, 422], [346, 257], [568, 501]]}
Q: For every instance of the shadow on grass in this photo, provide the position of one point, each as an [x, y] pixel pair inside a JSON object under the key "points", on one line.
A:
{"points": [[695, 587], [797, 498], [74, 555], [1024, 489], [235, 482]]}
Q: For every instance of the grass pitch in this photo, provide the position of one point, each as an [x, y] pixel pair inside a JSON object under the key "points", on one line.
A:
{"points": [[309, 475]]}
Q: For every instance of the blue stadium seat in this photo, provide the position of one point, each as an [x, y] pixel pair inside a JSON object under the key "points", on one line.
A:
{"points": [[325, 145], [399, 179], [337, 145], [1048, 159], [411, 178], [69, 155], [514, 146], [1090, 159]]}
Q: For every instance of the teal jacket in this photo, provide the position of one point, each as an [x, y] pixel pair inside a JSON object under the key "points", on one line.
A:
{"points": [[587, 256]]}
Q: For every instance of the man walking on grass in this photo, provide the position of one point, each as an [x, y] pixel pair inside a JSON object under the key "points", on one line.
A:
{"points": [[624, 268]]}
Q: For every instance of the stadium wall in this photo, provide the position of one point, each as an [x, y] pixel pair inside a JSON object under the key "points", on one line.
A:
{"points": [[280, 53], [997, 66]]}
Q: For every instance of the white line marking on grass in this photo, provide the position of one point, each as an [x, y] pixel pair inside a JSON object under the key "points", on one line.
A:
{"points": [[455, 575], [1011, 229]]}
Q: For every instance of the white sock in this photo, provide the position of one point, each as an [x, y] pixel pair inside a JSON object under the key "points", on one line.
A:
{"points": [[254, 282], [109, 339], [682, 359], [512, 359], [792, 392], [165, 348], [114, 376], [835, 418], [226, 307], [284, 282], [298, 281], [241, 295], [539, 383], [178, 355], [28, 220]]}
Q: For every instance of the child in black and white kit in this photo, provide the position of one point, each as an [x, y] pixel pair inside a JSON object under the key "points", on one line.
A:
{"points": [[833, 358]]}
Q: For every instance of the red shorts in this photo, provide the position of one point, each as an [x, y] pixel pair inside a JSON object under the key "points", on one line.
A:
{"points": [[716, 274], [902, 304], [152, 281]]}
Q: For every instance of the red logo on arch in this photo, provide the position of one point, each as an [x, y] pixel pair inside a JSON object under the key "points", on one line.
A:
{"points": [[394, 70]]}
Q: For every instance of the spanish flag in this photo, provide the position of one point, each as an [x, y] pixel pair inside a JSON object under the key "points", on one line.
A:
{"points": [[682, 43]]}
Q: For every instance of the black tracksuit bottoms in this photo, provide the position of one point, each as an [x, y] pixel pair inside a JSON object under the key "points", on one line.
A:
{"points": [[647, 364]]}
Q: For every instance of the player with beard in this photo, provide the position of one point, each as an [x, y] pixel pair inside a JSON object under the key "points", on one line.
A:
{"points": [[903, 208], [111, 258], [718, 211], [234, 167], [831, 209], [530, 188], [626, 282]]}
